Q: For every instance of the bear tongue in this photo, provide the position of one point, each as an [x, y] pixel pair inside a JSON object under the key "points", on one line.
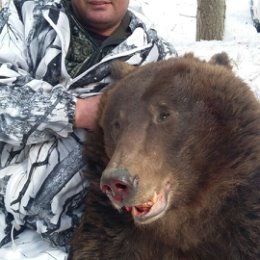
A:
{"points": [[142, 209]]}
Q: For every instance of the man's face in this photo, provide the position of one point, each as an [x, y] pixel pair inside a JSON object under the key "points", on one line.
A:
{"points": [[100, 15]]}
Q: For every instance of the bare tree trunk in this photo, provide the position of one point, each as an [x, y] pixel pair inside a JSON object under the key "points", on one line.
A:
{"points": [[210, 19]]}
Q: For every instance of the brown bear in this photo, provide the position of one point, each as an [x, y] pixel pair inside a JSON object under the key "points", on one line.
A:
{"points": [[178, 143]]}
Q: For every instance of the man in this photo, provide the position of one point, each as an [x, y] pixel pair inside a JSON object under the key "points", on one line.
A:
{"points": [[55, 60]]}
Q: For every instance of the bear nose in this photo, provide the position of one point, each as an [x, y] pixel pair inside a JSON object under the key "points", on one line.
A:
{"points": [[118, 184]]}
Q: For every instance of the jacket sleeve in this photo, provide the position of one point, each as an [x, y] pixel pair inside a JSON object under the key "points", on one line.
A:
{"points": [[31, 109]]}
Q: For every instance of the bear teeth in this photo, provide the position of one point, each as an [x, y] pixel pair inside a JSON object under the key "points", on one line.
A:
{"points": [[155, 197]]}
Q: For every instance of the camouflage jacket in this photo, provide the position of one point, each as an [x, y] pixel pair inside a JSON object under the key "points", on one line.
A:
{"points": [[41, 184]]}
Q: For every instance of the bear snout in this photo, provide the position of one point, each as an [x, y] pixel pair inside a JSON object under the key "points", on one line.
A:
{"points": [[118, 185]]}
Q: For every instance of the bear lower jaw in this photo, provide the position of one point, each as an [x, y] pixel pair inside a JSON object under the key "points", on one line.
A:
{"points": [[150, 211]]}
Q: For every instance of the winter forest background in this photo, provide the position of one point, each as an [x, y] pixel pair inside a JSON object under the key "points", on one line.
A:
{"points": [[175, 20]]}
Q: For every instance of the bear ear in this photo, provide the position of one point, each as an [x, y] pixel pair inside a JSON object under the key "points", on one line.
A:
{"points": [[120, 69], [221, 59]]}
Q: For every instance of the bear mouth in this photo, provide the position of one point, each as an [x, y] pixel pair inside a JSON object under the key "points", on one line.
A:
{"points": [[150, 210]]}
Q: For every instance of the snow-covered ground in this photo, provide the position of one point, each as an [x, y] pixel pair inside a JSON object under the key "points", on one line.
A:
{"points": [[175, 21]]}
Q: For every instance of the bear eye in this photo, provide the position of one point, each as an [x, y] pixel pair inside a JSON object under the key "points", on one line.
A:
{"points": [[163, 116]]}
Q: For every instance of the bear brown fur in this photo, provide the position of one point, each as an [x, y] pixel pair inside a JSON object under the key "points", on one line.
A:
{"points": [[179, 146]]}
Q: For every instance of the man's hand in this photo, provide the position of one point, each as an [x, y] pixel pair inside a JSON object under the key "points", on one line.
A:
{"points": [[86, 112]]}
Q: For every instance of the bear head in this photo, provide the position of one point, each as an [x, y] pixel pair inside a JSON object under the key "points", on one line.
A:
{"points": [[178, 136]]}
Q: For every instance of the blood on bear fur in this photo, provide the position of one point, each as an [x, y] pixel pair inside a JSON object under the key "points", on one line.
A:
{"points": [[174, 166]]}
